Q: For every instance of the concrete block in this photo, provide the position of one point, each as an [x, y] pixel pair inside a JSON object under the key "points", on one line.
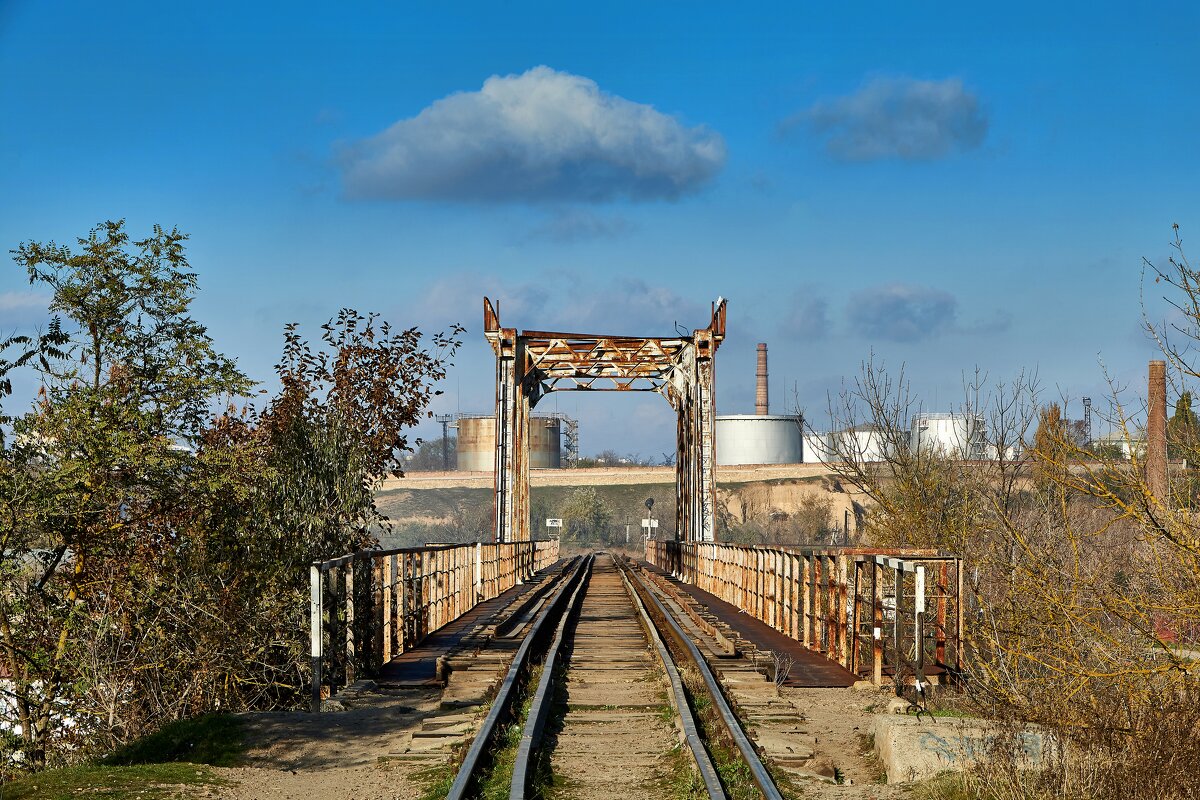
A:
{"points": [[912, 749]]}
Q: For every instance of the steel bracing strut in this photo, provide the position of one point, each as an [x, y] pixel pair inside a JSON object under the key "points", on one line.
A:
{"points": [[531, 364]]}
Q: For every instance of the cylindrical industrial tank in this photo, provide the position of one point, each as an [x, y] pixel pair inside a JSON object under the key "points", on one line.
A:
{"points": [[759, 439], [545, 443], [477, 443], [953, 435]]}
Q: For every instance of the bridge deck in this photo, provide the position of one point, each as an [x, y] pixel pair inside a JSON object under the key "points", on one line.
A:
{"points": [[418, 666], [809, 669]]}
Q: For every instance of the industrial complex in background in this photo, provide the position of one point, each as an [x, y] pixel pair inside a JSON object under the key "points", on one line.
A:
{"points": [[758, 438], [766, 438]]}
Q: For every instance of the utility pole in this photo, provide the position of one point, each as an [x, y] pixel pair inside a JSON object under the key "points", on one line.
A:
{"points": [[445, 419]]}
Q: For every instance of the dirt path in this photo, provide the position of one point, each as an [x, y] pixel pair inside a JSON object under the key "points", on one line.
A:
{"points": [[840, 726], [332, 756]]}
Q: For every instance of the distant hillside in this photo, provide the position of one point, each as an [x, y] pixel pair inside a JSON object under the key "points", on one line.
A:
{"points": [[800, 503]]}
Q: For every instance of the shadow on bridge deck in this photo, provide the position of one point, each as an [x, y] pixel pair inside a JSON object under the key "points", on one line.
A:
{"points": [[418, 666], [809, 669]]}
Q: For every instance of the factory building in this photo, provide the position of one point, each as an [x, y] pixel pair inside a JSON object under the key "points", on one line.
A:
{"points": [[477, 442], [761, 437]]}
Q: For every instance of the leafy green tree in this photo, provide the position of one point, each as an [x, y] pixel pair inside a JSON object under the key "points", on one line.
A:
{"points": [[153, 555], [95, 473], [429, 455], [585, 515]]}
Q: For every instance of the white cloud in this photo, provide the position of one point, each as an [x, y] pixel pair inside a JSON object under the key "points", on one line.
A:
{"points": [[901, 313], [899, 118], [22, 309], [20, 301], [574, 225], [541, 136]]}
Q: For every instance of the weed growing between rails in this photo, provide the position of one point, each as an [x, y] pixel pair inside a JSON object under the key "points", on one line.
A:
{"points": [[735, 774], [496, 780]]}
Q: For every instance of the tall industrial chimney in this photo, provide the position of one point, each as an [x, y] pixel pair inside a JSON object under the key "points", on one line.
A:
{"points": [[761, 405], [1156, 432]]}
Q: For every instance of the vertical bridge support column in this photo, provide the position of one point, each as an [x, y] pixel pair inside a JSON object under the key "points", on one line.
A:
{"points": [[511, 476], [691, 391]]}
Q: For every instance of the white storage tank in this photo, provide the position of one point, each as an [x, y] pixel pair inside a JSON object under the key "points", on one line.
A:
{"points": [[816, 448], [862, 443], [759, 439], [962, 436]]}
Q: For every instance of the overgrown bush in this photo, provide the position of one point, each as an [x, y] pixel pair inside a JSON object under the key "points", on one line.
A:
{"points": [[1084, 607], [154, 552]]}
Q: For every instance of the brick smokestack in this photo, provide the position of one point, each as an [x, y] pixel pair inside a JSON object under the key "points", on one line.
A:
{"points": [[761, 404], [1156, 431]]}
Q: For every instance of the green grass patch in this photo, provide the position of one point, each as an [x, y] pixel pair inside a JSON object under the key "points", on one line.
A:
{"points": [[680, 779], [143, 782], [498, 781], [162, 765], [950, 712], [215, 739], [733, 771], [435, 782]]}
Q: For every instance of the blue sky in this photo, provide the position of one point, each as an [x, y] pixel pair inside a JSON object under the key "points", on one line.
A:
{"points": [[948, 187]]}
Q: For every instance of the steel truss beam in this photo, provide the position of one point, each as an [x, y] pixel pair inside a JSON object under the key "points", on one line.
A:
{"points": [[532, 364]]}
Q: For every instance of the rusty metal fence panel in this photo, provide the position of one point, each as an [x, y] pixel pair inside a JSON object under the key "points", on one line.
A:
{"points": [[883, 614], [366, 608]]}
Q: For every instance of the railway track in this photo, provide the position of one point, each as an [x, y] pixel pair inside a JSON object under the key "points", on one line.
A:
{"points": [[609, 703]]}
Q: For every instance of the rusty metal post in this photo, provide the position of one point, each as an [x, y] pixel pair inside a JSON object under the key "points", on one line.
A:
{"points": [[960, 618], [378, 615], [1156, 433], [943, 590], [351, 649], [705, 528]]}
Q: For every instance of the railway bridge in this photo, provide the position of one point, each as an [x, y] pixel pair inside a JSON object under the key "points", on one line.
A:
{"points": [[624, 674]]}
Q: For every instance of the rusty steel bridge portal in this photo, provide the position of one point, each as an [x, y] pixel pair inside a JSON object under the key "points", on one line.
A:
{"points": [[531, 364]]}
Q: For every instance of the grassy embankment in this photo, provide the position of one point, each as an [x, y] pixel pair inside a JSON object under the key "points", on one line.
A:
{"points": [[171, 763]]}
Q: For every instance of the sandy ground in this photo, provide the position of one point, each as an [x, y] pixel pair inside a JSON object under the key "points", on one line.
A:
{"points": [[343, 755], [331, 756], [841, 723]]}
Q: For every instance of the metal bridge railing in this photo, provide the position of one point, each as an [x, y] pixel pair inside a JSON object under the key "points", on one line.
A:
{"points": [[877, 612], [365, 608]]}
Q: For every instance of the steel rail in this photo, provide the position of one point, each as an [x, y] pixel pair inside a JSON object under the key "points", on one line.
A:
{"points": [[543, 700], [539, 709], [507, 693], [762, 776], [691, 731]]}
